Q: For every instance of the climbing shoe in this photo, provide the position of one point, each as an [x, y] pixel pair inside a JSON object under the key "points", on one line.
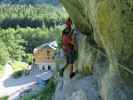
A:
{"points": [[72, 75]]}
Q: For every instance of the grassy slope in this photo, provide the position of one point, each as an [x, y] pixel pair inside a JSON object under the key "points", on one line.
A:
{"points": [[18, 66]]}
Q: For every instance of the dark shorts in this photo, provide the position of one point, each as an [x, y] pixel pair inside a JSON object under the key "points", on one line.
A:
{"points": [[71, 57]]}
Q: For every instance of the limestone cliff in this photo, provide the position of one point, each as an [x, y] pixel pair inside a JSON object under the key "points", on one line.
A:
{"points": [[107, 43]]}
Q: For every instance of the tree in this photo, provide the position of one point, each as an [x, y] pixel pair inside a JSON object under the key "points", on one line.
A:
{"points": [[13, 43], [4, 55]]}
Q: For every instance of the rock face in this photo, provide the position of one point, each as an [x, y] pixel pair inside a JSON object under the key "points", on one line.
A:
{"points": [[107, 43], [77, 89]]}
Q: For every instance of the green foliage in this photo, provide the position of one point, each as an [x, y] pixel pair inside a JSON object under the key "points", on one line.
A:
{"points": [[87, 70], [4, 98], [1, 70], [18, 38], [18, 66], [15, 43], [12, 47], [32, 16], [46, 93], [27, 97], [56, 35], [28, 58], [4, 55], [42, 12], [18, 74], [34, 37]]}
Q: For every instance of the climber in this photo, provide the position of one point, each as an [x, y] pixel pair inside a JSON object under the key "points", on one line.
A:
{"points": [[68, 23], [68, 27], [69, 51]]}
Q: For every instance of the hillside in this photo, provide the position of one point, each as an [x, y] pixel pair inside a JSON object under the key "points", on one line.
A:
{"points": [[26, 27], [53, 2]]}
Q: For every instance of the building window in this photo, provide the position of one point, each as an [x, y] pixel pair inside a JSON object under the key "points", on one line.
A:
{"points": [[48, 58], [49, 67], [43, 67], [48, 52]]}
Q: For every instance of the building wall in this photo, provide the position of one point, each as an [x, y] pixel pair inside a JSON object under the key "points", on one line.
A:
{"points": [[44, 55], [46, 66]]}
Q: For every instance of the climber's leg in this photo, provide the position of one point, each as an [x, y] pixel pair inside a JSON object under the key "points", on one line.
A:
{"points": [[62, 70], [66, 65], [71, 70], [72, 61]]}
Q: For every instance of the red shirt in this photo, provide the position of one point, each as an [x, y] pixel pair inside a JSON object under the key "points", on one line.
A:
{"points": [[67, 43]]}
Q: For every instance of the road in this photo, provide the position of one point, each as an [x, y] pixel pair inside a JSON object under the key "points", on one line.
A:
{"points": [[9, 86]]}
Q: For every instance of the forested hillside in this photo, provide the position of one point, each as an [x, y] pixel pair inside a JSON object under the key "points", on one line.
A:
{"points": [[32, 16], [52, 2], [25, 27]]}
